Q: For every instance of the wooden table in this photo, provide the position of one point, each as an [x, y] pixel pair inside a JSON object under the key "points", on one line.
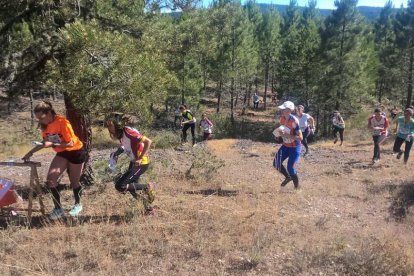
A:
{"points": [[33, 186]]}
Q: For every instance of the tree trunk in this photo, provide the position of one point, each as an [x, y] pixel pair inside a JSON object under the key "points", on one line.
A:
{"points": [[249, 94], [410, 79], [82, 127], [220, 87], [232, 101], [32, 115], [183, 81], [266, 83]]}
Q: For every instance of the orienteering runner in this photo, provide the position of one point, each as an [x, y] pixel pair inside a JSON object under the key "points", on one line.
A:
{"points": [[290, 149]]}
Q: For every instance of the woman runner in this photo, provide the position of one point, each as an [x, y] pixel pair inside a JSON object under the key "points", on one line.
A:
{"points": [[206, 125], [378, 123], [58, 134], [405, 133], [136, 146], [307, 126], [338, 126], [291, 146], [187, 121]]}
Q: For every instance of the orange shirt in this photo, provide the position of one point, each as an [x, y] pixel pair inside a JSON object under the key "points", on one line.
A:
{"points": [[60, 130]]}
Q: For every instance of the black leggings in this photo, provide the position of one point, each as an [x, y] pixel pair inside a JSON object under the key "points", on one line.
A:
{"points": [[128, 182], [305, 134], [397, 147], [341, 132], [187, 126], [377, 153]]}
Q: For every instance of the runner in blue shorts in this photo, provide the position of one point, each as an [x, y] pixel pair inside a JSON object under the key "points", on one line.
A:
{"points": [[292, 137]]}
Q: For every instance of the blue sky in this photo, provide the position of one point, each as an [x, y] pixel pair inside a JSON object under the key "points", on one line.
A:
{"points": [[327, 4]]}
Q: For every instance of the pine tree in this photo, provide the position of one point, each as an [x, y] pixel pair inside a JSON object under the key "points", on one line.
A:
{"points": [[386, 84], [404, 28]]}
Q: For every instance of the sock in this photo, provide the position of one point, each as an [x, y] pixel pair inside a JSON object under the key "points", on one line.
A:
{"points": [[77, 194], [284, 171], [295, 180]]}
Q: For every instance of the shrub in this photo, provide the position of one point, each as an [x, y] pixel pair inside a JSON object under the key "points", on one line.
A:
{"points": [[204, 165], [166, 139]]}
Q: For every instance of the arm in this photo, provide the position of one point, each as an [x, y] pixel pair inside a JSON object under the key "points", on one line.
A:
{"points": [[311, 122], [396, 126], [386, 124], [60, 145], [369, 124], [27, 156], [118, 152], [147, 143]]}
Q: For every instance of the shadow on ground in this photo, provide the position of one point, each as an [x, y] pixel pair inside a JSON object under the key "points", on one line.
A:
{"points": [[402, 200], [7, 221], [217, 192]]}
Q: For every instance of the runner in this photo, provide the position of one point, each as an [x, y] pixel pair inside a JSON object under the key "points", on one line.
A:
{"points": [[58, 134], [187, 121], [256, 100], [394, 112], [136, 146], [307, 126], [291, 147], [405, 133], [338, 126], [207, 126], [378, 123]]}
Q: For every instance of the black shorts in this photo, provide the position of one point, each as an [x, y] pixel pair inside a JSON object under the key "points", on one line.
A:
{"points": [[74, 156]]}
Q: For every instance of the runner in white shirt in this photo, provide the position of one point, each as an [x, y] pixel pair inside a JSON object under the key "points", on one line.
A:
{"points": [[378, 123], [306, 124]]}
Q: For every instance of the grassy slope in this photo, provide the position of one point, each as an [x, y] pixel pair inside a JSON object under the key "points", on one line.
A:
{"points": [[350, 218]]}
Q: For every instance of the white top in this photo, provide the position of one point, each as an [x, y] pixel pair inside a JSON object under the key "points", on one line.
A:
{"points": [[378, 124], [303, 121], [205, 126], [338, 122]]}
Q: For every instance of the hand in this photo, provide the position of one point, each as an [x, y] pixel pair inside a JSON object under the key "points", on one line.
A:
{"points": [[138, 162], [113, 156], [26, 158], [48, 144]]}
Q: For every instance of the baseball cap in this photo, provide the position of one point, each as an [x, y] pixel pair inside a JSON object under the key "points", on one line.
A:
{"points": [[287, 104]]}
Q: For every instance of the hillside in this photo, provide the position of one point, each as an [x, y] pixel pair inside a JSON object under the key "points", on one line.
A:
{"points": [[350, 217], [371, 13]]}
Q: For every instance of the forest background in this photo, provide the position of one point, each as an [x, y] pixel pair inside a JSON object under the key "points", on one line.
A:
{"points": [[129, 56]]}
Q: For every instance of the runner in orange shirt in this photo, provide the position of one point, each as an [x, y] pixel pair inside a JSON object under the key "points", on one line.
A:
{"points": [[58, 134]]}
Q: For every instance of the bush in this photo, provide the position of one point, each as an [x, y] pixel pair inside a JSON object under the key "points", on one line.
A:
{"points": [[166, 139], [204, 165]]}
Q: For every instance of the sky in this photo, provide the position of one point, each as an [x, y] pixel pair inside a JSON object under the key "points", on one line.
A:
{"points": [[326, 4]]}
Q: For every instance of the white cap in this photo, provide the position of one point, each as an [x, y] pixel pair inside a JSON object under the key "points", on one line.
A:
{"points": [[287, 104]]}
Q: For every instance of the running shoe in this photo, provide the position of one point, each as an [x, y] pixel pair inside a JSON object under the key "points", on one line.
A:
{"points": [[74, 212], [56, 213], [336, 140], [150, 192], [286, 181], [400, 154]]}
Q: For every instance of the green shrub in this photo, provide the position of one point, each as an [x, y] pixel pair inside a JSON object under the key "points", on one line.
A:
{"points": [[166, 139], [204, 165]]}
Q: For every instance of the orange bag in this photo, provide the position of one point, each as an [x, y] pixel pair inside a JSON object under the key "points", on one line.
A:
{"points": [[7, 193]]}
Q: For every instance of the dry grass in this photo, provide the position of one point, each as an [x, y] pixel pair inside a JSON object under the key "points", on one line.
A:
{"points": [[350, 218]]}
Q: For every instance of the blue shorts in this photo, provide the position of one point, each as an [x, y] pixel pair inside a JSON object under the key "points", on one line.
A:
{"points": [[286, 152]]}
